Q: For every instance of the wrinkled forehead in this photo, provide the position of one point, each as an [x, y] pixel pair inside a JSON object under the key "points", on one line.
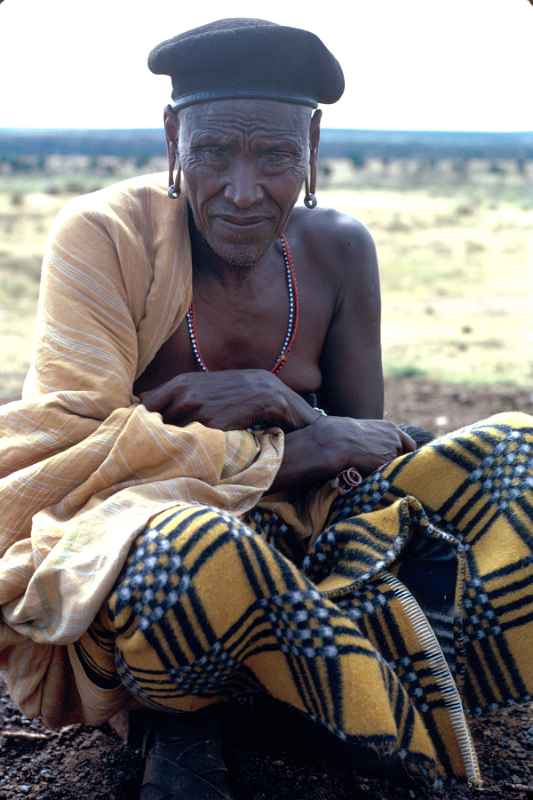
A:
{"points": [[270, 116]]}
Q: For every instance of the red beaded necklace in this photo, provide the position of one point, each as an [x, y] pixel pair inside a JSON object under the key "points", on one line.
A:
{"points": [[293, 320]]}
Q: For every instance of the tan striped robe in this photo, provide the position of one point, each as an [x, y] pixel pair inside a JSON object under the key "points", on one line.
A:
{"points": [[83, 466]]}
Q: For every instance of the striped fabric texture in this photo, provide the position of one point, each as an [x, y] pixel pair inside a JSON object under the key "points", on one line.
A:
{"points": [[413, 605]]}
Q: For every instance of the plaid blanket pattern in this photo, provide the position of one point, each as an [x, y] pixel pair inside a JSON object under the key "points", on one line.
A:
{"points": [[414, 603]]}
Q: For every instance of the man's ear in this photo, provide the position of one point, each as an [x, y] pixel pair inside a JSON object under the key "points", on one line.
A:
{"points": [[314, 140], [314, 134], [170, 119]]}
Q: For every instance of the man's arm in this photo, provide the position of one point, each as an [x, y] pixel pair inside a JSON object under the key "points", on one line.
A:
{"points": [[352, 389], [229, 400], [351, 359]]}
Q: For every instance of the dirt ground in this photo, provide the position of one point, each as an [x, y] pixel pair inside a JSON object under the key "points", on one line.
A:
{"points": [[274, 754]]}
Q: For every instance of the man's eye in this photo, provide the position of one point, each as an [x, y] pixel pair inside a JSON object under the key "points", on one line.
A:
{"points": [[277, 154], [212, 151], [277, 158]]}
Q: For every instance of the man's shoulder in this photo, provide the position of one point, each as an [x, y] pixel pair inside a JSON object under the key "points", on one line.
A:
{"points": [[133, 208], [121, 198], [330, 224], [335, 241], [124, 192]]}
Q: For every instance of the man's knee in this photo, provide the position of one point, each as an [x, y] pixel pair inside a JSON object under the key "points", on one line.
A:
{"points": [[168, 556], [188, 527], [163, 555]]}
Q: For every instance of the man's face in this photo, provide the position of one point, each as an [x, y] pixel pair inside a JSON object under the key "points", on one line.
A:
{"points": [[244, 162]]}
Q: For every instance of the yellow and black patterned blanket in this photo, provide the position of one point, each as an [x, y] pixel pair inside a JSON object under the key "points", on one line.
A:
{"points": [[414, 604]]}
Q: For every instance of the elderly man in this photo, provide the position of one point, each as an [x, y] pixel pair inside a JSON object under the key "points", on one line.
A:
{"points": [[212, 504]]}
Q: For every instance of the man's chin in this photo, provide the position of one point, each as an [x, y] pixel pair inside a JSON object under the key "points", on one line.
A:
{"points": [[240, 254]]}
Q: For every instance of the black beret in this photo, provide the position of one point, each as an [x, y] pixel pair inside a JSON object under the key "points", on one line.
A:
{"points": [[249, 58]]}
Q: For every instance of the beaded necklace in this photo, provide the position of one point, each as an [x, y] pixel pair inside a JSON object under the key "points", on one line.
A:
{"points": [[292, 325]]}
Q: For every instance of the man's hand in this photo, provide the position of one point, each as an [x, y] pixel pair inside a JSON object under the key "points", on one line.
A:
{"points": [[365, 444], [229, 400], [320, 451]]}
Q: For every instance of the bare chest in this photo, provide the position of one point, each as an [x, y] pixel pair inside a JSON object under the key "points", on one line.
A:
{"points": [[243, 332]]}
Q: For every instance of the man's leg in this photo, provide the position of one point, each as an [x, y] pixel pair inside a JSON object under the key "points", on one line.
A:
{"points": [[474, 551], [205, 610]]}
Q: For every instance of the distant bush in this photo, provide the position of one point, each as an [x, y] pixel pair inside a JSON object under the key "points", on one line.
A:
{"points": [[75, 187], [17, 199], [495, 168], [405, 371], [143, 160], [357, 159], [465, 210], [20, 163]]}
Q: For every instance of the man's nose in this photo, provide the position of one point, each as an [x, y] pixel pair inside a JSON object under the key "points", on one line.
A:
{"points": [[243, 188]]}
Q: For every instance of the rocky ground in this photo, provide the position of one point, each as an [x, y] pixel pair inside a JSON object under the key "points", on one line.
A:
{"points": [[273, 754]]}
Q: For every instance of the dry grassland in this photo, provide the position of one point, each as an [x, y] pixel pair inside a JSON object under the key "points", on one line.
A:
{"points": [[456, 267], [457, 283]]}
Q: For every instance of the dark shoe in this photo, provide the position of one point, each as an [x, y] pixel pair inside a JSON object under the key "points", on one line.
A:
{"points": [[184, 757]]}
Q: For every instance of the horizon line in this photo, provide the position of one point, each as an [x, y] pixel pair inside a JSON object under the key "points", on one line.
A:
{"points": [[16, 129]]}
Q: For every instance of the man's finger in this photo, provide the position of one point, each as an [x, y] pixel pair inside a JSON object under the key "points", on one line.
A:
{"points": [[155, 399], [408, 443]]}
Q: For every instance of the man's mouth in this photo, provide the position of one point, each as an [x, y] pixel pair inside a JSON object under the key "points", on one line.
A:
{"points": [[242, 221]]}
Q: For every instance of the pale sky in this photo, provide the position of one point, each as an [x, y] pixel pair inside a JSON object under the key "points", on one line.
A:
{"points": [[409, 64]]}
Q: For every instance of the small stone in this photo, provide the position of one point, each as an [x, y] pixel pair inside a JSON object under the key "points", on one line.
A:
{"points": [[24, 788]]}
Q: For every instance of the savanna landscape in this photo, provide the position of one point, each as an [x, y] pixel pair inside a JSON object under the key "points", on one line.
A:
{"points": [[452, 225]]}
